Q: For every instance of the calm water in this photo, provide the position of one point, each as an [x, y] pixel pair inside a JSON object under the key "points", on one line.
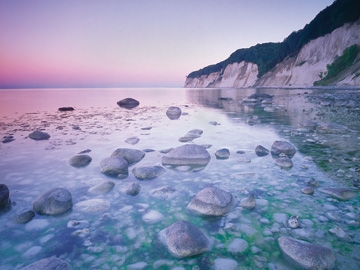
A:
{"points": [[119, 237]]}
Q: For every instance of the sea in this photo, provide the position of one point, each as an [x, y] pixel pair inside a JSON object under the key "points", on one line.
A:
{"points": [[119, 236]]}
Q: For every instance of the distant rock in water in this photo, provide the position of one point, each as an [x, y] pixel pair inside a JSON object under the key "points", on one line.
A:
{"points": [[281, 147], [339, 193], [51, 263], [173, 113], [148, 172], [188, 154], [222, 153], [39, 135], [80, 160], [4, 196], [65, 109], [128, 103], [55, 201]]}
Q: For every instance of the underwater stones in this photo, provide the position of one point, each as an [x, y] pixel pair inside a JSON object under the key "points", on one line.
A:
{"points": [[128, 103], [39, 135], [8, 138], [282, 147], [183, 239], [65, 109], [115, 166], [48, 264], [249, 203], [101, 188], [55, 201], [211, 201], [131, 155], [237, 246], [148, 172], [173, 113], [293, 222], [284, 162], [340, 233], [261, 151], [225, 264], [24, 217], [130, 188], [339, 193], [306, 255], [132, 140], [188, 154], [163, 192], [80, 160], [191, 135], [152, 217], [222, 153], [92, 205], [331, 128], [4, 196], [308, 190]]}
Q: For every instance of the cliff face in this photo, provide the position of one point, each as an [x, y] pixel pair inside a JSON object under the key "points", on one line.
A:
{"points": [[302, 70]]}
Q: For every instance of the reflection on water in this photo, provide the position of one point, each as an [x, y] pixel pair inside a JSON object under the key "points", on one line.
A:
{"points": [[120, 235]]}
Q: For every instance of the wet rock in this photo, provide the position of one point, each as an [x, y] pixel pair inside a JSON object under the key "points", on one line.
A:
{"points": [[55, 201], [188, 154], [4, 196], [284, 162], [23, 217], [222, 153], [102, 188], [148, 172], [261, 151], [65, 109], [92, 205], [312, 183], [306, 255], [293, 222], [79, 161], [281, 147], [39, 135], [173, 113], [130, 188], [152, 217], [132, 140], [51, 263], [249, 203], [131, 155], [308, 190], [183, 239], [225, 264], [128, 103], [211, 201], [115, 166], [339, 193], [163, 192]]}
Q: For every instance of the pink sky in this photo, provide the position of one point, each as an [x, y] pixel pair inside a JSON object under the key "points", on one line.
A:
{"points": [[139, 43]]}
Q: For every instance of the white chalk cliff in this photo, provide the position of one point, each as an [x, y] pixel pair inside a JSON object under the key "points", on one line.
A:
{"points": [[301, 70]]}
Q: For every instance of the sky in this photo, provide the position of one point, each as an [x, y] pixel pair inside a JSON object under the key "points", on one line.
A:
{"points": [[134, 43]]}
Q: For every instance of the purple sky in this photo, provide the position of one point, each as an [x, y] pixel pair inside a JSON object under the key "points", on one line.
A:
{"points": [[134, 43]]}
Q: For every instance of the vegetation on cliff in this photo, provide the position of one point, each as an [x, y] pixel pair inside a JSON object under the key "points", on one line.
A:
{"points": [[267, 55]]}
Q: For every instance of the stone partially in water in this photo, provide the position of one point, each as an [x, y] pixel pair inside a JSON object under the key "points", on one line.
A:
{"points": [[183, 239], [339, 193], [308, 190], [39, 135], [115, 166], [249, 203], [51, 263], [101, 188], [128, 103], [211, 201], [131, 155], [148, 172], [55, 201], [237, 246], [173, 113], [92, 205], [188, 154], [80, 160], [23, 217], [130, 188], [261, 151], [306, 255], [4, 196], [282, 147], [222, 153], [191, 135], [332, 128]]}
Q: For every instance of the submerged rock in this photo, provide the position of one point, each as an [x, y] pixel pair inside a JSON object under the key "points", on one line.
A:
{"points": [[249, 203], [80, 160], [148, 172], [128, 103], [130, 188], [188, 154], [293, 222], [55, 201], [306, 255], [339, 193], [191, 135], [131, 155], [4, 196], [39, 135], [261, 151], [308, 190], [51, 263], [115, 166], [284, 162], [173, 113], [211, 201], [164, 192], [282, 147], [183, 239], [222, 153], [92, 205], [23, 217], [103, 187], [132, 140]]}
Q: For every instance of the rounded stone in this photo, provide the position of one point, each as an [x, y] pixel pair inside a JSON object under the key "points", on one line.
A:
{"points": [[148, 172], [128, 103], [308, 190], [173, 113], [261, 151], [222, 153], [152, 217], [80, 161], [92, 205], [188, 154], [284, 162], [115, 166], [249, 203], [55, 201], [4, 196], [48, 264], [101, 188], [39, 135], [282, 147], [131, 188], [23, 217], [131, 155]]}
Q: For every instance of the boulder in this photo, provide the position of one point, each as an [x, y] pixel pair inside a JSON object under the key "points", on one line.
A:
{"points": [[80, 161], [339, 193], [131, 155], [261, 151], [211, 201], [51, 263], [183, 239], [115, 166], [148, 172], [222, 153], [128, 103], [39, 135], [55, 201], [188, 154], [282, 148], [4, 196], [306, 255], [102, 188], [173, 113], [130, 188]]}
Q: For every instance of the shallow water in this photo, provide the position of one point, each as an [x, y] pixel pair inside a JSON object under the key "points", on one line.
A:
{"points": [[119, 237]]}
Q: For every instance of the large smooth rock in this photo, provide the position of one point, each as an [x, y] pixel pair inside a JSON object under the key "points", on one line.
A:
{"points": [[183, 239], [148, 172], [115, 166], [282, 147], [4, 196], [339, 193], [55, 201], [51, 263], [79, 161], [225, 264], [131, 155], [173, 113], [128, 103], [306, 255], [101, 188], [188, 154], [211, 201], [39, 135]]}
